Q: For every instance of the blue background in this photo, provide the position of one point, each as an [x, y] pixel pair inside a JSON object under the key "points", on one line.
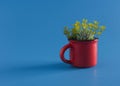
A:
{"points": [[31, 35]]}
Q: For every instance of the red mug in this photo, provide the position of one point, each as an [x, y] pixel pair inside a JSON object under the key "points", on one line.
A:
{"points": [[82, 53]]}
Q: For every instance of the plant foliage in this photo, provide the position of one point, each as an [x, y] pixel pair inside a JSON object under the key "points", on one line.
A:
{"points": [[84, 30]]}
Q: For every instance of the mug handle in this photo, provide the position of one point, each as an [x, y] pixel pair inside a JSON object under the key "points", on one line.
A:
{"points": [[62, 51]]}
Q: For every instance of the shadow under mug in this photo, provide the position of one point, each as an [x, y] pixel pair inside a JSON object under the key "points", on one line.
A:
{"points": [[82, 53]]}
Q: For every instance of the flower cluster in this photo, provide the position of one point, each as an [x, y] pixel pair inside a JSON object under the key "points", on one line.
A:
{"points": [[84, 30]]}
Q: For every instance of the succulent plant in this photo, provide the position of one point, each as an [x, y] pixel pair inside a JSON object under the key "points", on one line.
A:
{"points": [[84, 30]]}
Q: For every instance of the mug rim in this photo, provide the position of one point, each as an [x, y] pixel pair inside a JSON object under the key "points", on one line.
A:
{"points": [[71, 40]]}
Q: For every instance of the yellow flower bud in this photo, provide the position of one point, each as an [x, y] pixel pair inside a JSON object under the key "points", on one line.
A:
{"points": [[102, 28], [74, 31], [77, 22], [95, 26], [99, 33], [96, 22], [84, 21], [90, 25], [77, 25], [85, 26]]}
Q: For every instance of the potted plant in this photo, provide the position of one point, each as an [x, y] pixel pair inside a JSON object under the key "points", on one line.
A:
{"points": [[83, 40]]}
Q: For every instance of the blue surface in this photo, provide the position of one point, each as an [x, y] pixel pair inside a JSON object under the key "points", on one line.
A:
{"points": [[31, 35]]}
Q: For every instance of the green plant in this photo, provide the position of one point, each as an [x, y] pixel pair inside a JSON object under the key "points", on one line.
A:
{"points": [[84, 30]]}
